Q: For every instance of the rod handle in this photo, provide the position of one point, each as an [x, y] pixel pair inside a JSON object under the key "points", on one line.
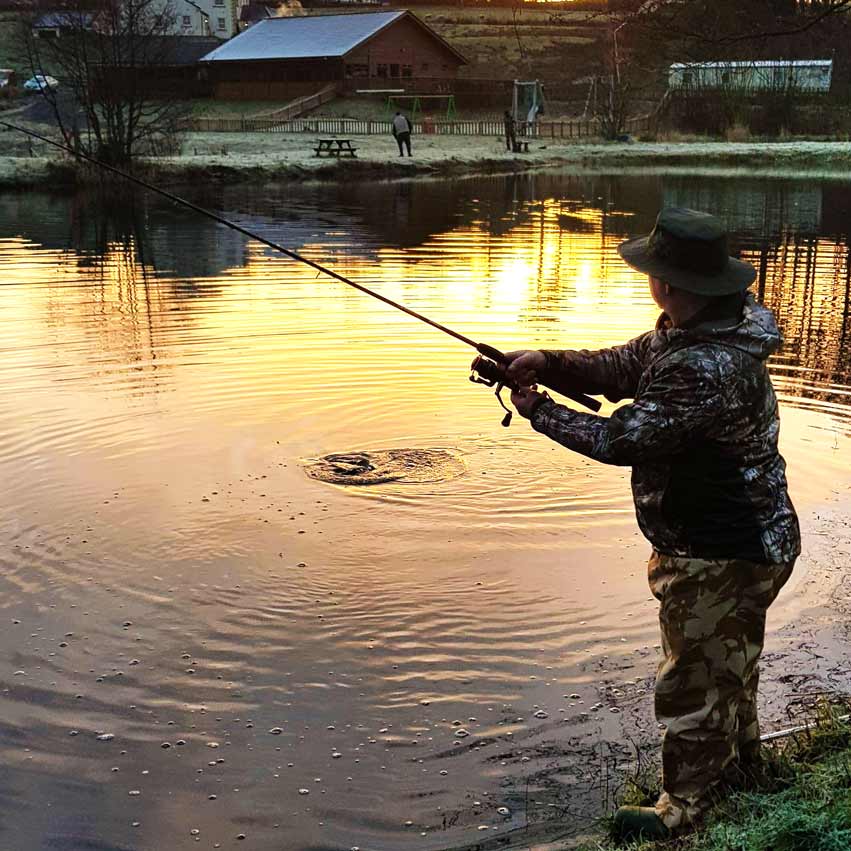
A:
{"points": [[490, 352], [580, 398]]}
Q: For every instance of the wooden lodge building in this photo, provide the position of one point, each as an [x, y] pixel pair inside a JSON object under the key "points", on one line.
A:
{"points": [[282, 58]]}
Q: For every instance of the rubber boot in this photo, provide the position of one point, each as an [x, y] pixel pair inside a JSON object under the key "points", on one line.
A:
{"points": [[639, 823]]}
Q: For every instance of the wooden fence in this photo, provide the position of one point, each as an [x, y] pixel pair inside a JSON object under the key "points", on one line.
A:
{"points": [[573, 129]]}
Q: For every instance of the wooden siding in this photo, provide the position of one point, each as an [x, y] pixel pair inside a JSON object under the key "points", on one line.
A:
{"points": [[403, 49], [279, 90], [272, 80]]}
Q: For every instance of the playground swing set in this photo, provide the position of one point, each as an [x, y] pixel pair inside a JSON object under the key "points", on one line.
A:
{"points": [[416, 104]]}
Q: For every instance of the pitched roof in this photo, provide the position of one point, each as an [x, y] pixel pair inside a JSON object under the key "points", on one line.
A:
{"points": [[317, 36], [64, 19], [303, 38], [184, 49]]}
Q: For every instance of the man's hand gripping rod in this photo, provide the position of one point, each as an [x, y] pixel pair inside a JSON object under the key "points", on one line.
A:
{"points": [[490, 369]]}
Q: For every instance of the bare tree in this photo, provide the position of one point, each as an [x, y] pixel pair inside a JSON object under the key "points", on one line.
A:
{"points": [[695, 28], [107, 59], [611, 105]]}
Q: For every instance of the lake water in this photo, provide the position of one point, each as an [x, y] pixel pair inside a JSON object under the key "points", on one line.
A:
{"points": [[310, 652]]}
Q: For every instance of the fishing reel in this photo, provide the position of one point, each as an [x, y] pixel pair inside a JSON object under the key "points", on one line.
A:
{"points": [[489, 368], [490, 372]]}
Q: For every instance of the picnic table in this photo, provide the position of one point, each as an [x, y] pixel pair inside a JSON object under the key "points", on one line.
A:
{"points": [[335, 148]]}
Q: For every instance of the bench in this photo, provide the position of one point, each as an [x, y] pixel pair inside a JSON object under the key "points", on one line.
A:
{"points": [[334, 148], [521, 147]]}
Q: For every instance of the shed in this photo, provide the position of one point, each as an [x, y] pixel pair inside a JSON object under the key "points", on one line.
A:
{"points": [[282, 58], [804, 75]]}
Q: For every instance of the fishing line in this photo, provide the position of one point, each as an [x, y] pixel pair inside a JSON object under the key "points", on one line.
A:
{"points": [[494, 363], [233, 226]]}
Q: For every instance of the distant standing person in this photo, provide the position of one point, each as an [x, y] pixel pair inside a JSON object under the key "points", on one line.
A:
{"points": [[510, 131], [402, 132]]}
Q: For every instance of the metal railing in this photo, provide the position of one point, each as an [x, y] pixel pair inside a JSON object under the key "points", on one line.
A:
{"points": [[572, 129], [299, 106]]}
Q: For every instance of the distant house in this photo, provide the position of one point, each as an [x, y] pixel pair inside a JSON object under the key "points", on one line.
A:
{"points": [[56, 24], [280, 58], [196, 18], [204, 17], [805, 75]]}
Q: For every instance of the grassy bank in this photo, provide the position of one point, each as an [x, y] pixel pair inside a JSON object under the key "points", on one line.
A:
{"points": [[275, 157], [804, 803]]}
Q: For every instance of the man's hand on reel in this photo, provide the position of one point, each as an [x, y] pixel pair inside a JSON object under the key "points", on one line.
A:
{"points": [[527, 400], [525, 367]]}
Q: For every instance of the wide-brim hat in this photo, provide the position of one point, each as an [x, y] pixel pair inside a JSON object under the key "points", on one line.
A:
{"points": [[688, 250]]}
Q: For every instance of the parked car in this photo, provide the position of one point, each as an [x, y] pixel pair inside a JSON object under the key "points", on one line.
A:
{"points": [[41, 82]]}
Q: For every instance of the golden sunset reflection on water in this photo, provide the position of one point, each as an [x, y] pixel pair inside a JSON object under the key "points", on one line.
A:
{"points": [[166, 382]]}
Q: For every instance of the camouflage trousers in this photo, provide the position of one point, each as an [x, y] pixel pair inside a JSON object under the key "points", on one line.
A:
{"points": [[712, 617]]}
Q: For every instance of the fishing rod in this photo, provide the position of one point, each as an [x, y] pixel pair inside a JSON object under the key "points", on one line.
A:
{"points": [[488, 369]]}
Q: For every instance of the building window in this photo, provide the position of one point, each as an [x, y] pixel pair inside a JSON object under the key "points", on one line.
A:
{"points": [[394, 70], [407, 71], [356, 71], [187, 21], [381, 70], [220, 23]]}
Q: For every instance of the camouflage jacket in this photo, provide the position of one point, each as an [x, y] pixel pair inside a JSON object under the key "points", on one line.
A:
{"points": [[700, 435]]}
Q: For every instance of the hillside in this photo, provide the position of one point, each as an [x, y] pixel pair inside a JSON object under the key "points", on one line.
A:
{"points": [[11, 54], [555, 46]]}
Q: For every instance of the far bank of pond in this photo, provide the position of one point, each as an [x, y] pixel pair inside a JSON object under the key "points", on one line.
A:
{"points": [[259, 158]]}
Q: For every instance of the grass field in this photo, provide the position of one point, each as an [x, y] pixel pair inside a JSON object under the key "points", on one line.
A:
{"points": [[551, 45], [528, 15], [210, 108]]}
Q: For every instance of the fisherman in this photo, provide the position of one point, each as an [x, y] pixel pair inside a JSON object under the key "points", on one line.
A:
{"points": [[710, 494], [510, 130], [402, 132]]}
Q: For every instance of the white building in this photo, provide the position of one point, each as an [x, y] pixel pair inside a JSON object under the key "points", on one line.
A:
{"points": [[206, 17], [805, 75]]}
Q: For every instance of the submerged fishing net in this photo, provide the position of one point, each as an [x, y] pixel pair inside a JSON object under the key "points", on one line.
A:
{"points": [[386, 465]]}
